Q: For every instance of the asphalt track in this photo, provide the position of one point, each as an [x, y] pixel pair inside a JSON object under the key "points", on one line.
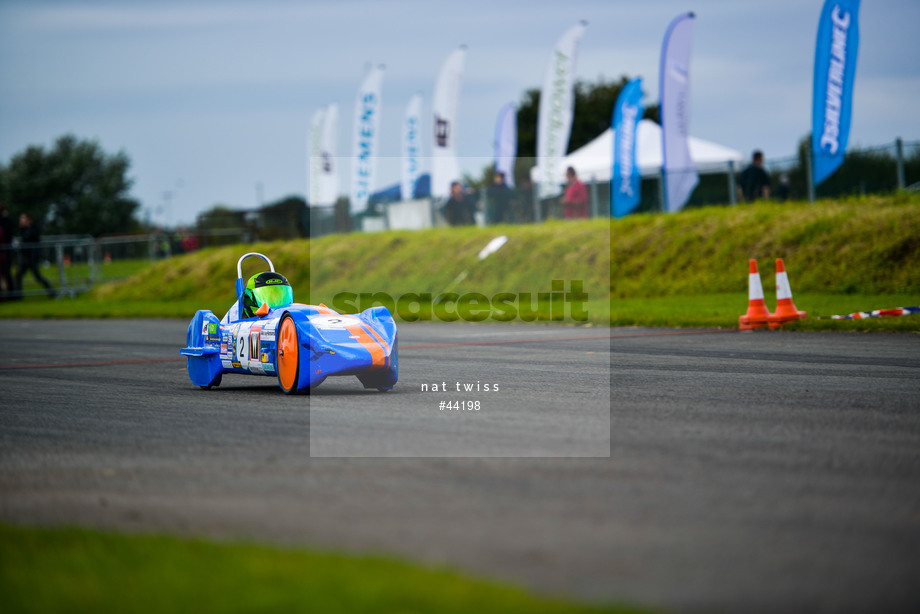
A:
{"points": [[768, 471]]}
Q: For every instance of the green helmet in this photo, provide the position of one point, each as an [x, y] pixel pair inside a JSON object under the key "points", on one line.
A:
{"points": [[267, 288]]}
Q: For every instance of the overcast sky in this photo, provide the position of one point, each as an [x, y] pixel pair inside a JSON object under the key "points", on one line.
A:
{"points": [[213, 99]]}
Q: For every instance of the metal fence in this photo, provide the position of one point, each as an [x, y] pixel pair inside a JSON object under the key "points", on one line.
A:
{"points": [[74, 264], [873, 170], [883, 169]]}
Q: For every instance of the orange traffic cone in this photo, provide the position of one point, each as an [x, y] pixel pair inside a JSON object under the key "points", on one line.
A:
{"points": [[757, 314], [785, 309]]}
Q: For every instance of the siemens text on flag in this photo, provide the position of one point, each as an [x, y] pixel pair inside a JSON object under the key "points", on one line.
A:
{"points": [[366, 127], [554, 120], [626, 181], [680, 174], [835, 71]]}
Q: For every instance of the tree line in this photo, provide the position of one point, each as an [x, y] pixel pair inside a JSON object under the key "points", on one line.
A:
{"points": [[74, 187]]}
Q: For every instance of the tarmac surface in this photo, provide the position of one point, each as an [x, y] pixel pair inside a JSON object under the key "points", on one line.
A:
{"points": [[765, 471]]}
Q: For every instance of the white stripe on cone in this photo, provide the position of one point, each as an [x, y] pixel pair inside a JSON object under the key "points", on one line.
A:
{"points": [[783, 290], [757, 314], [786, 311], [755, 288]]}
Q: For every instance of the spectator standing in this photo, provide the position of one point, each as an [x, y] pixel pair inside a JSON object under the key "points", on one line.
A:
{"points": [[30, 254], [575, 197], [6, 252], [754, 183], [459, 207], [189, 242], [522, 204], [499, 200]]}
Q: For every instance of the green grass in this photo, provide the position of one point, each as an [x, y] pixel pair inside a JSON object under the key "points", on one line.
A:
{"points": [[78, 274], [865, 245], [117, 269], [686, 269], [76, 570], [86, 307], [710, 310], [396, 262]]}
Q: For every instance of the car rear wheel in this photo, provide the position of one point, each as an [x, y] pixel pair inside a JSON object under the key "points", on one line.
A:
{"points": [[288, 359]]}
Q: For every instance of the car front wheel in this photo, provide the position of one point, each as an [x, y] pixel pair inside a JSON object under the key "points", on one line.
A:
{"points": [[288, 358]]}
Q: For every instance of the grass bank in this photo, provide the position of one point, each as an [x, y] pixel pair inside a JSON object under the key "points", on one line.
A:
{"points": [[865, 245], [76, 570], [687, 269]]}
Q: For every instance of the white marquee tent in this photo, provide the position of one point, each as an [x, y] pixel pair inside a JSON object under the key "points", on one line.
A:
{"points": [[594, 161]]}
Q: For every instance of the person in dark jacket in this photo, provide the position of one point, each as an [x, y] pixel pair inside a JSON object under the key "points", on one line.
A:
{"points": [[754, 183], [500, 196], [459, 207], [6, 252], [30, 253]]}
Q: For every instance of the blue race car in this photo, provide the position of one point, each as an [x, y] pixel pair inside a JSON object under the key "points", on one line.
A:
{"points": [[266, 333]]}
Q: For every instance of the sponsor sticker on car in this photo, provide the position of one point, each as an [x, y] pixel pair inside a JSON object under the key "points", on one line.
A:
{"points": [[334, 322]]}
